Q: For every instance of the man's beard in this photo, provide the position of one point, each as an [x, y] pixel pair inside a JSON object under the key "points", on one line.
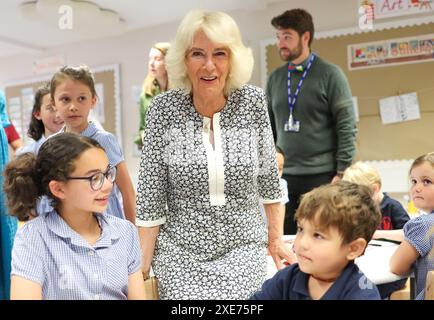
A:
{"points": [[291, 55]]}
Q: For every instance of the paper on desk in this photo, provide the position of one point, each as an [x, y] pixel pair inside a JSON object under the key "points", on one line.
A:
{"points": [[375, 263]]}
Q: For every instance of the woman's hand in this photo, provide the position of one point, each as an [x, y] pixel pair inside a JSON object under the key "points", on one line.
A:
{"points": [[279, 251], [276, 247]]}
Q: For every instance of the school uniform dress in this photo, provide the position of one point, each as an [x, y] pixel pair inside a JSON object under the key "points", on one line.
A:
{"points": [[47, 251], [419, 233], [291, 283], [32, 147], [205, 198]]}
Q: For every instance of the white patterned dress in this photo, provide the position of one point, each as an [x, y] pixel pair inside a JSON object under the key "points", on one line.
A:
{"points": [[212, 240]]}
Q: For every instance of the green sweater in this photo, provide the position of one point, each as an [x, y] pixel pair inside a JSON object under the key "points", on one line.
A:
{"points": [[326, 140], [145, 101]]}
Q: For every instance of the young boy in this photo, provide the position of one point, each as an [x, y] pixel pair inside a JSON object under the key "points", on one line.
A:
{"points": [[335, 224], [393, 214]]}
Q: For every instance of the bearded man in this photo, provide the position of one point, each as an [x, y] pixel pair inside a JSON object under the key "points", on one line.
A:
{"points": [[311, 112]]}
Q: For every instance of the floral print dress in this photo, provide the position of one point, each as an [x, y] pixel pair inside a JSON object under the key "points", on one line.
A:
{"points": [[205, 197]]}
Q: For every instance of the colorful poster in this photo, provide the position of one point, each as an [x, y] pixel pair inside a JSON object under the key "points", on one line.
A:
{"points": [[48, 65], [391, 52], [396, 8]]}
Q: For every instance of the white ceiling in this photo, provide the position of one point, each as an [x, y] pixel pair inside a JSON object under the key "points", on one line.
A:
{"points": [[19, 34]]}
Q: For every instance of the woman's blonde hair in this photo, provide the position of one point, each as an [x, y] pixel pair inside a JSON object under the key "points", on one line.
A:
{"points": [[362, 173], [149, 84], [219, 28]]}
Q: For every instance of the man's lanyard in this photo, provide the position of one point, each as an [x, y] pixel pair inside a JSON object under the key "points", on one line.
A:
{"points": [[292, 99]]}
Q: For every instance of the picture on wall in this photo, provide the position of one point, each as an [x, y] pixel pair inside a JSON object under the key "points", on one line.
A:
{"points": [[391, 52], [384, 9]]}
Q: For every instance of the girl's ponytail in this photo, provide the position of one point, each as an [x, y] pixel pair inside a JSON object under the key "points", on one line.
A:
{"points": [[21, 186]]}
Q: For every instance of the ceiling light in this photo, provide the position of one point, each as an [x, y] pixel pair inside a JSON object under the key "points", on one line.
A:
{"points": [[82, 17]]}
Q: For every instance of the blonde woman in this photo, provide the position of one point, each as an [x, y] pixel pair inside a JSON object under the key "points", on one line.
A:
{"points": [[208, 161], [155, 82]]}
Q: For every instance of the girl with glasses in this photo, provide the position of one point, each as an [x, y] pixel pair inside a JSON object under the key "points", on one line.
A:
{"points": [[75, 251]]}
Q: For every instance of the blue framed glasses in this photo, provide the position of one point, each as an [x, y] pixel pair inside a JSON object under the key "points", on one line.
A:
{"points": [[96, 180]]}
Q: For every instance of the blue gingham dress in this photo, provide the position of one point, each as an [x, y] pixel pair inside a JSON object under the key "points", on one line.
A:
{"points": [[32, 146], [419, 232], [48, 252]]}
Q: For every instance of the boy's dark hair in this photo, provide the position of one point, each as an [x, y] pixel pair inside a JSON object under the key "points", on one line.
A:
{"points": [[81, 74], [347, 206], [297, 19], [36, 127], [27, 177]]}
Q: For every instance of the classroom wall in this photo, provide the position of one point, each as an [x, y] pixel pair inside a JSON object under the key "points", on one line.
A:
{"points": [[130, 51]]}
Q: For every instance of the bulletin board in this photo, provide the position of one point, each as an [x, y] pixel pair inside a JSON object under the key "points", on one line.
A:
{"points": [[376, 141], [20, 94]]}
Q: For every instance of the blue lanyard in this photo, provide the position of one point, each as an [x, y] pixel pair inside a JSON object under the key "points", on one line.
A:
{"points": [[293, 99]]}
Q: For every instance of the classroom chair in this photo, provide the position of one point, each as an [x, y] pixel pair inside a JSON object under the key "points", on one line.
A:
{"points": [[402, 294]]}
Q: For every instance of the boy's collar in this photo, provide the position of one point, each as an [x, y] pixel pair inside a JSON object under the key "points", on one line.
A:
{"points": [[324, 280]]}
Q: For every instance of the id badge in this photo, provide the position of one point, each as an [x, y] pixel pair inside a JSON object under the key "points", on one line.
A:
{"points": [[292, 125]]}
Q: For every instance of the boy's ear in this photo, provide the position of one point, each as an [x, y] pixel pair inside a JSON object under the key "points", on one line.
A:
{"points": [[356, 248], [57, 189]]}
